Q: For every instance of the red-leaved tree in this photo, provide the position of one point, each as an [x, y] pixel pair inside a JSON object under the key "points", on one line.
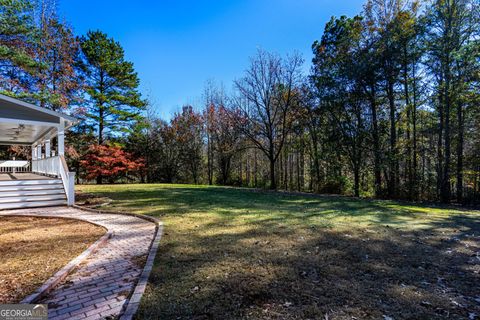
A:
{"points": [[111, 162]]}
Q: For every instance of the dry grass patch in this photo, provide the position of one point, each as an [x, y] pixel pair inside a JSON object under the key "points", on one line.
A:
{"points": [[33, 249]]}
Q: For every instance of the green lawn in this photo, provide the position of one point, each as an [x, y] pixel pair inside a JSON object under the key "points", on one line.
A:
{"points": [[233, 253]]}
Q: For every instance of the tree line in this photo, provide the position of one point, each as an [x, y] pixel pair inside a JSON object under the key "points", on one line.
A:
{"points": [[389, 109]]}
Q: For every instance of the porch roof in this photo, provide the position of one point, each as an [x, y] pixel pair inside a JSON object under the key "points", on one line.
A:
{"points": [[25, 123]]}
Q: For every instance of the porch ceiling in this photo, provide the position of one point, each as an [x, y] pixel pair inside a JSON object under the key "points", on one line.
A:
{"points": [[25, 123], [12, 133]]}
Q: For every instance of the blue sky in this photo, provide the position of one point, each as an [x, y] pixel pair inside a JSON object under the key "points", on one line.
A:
{"points": [[176, 46]]}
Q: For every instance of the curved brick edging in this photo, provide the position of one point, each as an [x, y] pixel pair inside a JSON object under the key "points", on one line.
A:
{"points": [[65, 271], [134, 299]]}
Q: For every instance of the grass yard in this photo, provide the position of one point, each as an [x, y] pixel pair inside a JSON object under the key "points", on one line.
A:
{"points": [[233, 253], [33, 249]]}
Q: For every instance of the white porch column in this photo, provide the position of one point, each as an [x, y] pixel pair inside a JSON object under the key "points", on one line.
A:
{"points": [[34, 152], [39, 151], [61, 138], [47, 149]]}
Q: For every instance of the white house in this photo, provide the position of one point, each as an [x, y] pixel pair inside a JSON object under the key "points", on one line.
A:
{"points": [[45, 179]]}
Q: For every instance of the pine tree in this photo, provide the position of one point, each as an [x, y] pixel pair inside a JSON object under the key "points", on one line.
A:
{"points": [[452, 26], [111, 85]]}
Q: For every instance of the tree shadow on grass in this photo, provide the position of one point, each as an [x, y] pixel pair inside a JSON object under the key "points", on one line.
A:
{"points": [[230, 253], [266, 272]]}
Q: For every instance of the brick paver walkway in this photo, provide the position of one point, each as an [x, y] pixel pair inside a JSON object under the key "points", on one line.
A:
{"points": [[100, 286]]}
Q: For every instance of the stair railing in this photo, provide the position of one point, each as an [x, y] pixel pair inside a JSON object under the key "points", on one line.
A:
{"points": [[68, 179], [48, 166]]}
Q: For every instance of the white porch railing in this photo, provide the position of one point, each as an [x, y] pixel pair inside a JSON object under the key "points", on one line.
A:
{"points": [[68, 179], [57, 166], [13, 166], [49, 166]]}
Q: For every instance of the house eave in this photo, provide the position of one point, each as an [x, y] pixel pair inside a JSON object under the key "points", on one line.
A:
{"points": [[69, 119]]}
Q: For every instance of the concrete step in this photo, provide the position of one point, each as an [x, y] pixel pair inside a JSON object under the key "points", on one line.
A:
{"points": [[32, 204]]}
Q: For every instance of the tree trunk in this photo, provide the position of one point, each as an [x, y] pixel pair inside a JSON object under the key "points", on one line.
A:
{"points": [[316, 165], [209, 159], [286, 158], [409, 161], [376, 145], [255, 168], [273, 183], [414, 122], [101, 116], [460, 120], [356, 174], [302, 168], [445, 191], [291, 176], [100, 126], [440, 143], [297, 163], [392, 187]]}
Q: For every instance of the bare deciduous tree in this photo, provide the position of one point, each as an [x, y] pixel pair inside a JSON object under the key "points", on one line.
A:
{"points": [[266, 99]]}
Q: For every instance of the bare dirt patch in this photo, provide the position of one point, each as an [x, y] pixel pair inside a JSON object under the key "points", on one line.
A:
{"points": [[91, 200], [33, 249]]}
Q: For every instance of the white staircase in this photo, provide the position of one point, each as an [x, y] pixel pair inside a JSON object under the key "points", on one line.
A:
{"points": [[15, 194]]}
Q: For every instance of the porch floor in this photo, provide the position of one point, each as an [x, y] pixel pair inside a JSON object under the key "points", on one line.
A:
{"points": [[22, 176]]}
